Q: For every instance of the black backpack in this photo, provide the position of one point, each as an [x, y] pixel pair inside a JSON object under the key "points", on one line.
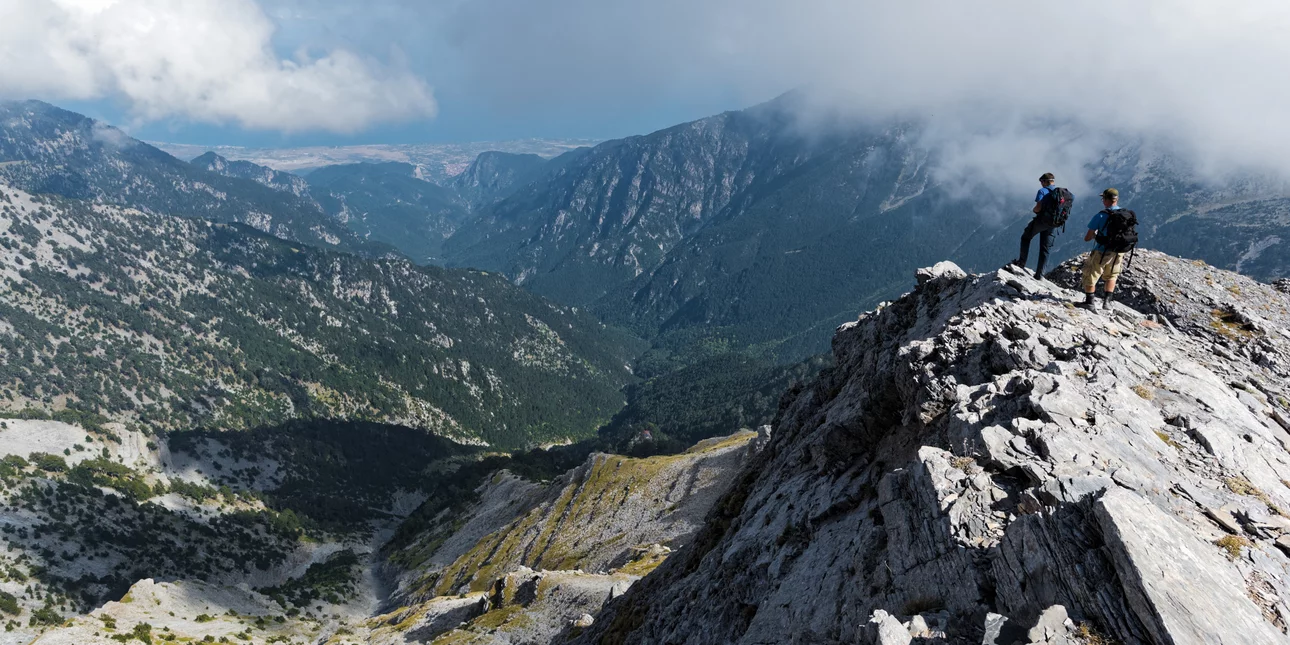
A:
{"points": [[1056, 206], [1120, 234]]}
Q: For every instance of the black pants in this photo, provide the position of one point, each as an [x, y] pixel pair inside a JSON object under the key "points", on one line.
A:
{"points": [[1046, 232]]}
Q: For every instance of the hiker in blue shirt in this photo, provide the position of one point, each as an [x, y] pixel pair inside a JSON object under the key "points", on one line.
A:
{"points": [[1101, 264], [1043, 225]]}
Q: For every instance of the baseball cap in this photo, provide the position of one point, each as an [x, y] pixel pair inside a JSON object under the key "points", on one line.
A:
{"points": [[1110, 193], [1048, 176]]}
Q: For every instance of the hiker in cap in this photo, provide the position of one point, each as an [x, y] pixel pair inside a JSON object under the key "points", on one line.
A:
{"points": [[1115, 231], [1052, 207]]}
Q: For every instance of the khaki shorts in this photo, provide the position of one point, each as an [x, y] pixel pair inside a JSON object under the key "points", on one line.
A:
{"points": [[1102, 264]]}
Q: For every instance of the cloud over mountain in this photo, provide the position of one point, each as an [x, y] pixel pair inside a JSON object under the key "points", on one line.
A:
{"points": [[208, 61], [1196, 72]]}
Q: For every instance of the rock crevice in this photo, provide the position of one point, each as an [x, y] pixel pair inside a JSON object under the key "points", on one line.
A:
{"points": [[982, 448]]}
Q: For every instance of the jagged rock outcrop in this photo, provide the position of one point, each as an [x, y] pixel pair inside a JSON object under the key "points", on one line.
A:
{"points": [[986, 454], [526, 562], [263, 175]]}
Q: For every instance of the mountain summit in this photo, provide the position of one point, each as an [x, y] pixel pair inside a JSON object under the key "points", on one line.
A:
{"points": [[987, 463], [44, 149]]}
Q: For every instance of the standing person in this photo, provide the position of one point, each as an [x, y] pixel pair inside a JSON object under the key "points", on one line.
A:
{"points": [[1052, 207], [1115, 230]]}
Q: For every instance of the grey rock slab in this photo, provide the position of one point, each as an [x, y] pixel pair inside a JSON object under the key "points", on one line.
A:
{"points": [[1224, 519], [1181, 589], [1001, 631], [1050, 628], [946, 269], [887, 630]]}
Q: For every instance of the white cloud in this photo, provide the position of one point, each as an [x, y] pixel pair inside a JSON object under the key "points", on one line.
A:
{"points": [[200, 60], [1206, 75]]}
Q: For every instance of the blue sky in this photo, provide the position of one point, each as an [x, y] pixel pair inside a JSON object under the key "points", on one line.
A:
{"points": [[465, 120], [317, 72], [472, 76]]}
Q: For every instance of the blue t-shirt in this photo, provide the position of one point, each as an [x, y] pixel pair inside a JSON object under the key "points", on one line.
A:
{"points": [[1043, 191], [1098, 223]]}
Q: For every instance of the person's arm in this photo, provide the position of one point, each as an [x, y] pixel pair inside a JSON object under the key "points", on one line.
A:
{"points": [[1095, 225], [1039, 200]]}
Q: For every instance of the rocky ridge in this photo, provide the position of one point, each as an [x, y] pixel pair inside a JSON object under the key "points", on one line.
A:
{"points": [[174, 323], [275, 179], [44, 149], [989, 464], [526, 562]]}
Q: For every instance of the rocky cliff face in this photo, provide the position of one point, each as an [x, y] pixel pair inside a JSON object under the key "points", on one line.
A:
{"points": [[987, 463], [755, 228], [263, 175], [525, 562], [44, 149], [390, 203], [494, 175]]}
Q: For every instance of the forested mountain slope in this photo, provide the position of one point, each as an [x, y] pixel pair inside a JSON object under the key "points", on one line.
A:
{"points": [[177, 323], [275, 179], [44, 149], [493, 176], [387, 203], [754, 229]]}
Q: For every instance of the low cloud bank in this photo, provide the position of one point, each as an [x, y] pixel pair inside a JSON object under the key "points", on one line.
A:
{"points": [[199, 60]]}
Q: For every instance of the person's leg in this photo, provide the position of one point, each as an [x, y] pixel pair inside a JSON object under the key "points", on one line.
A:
{"points": [[1046, 238], [1092, 272], [1114, 266], [1029, 234]]}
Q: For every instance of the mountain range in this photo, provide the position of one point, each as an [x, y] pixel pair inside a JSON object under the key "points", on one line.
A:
{"points": [[176, 323], [743, 230], [362, 406], [44, 149], [436, 162], [749, 228]]}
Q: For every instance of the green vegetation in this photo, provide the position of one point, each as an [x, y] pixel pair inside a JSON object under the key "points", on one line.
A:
{"points": [[142, 632], [112, 328], [137, 539], [9, 603], [715, 396], [332, 581], [49, 463], [85, 419], [1242, 486], [398, 209], [101, 472], [64, 153], [337, 474], [1232, 545], [45, 617]]}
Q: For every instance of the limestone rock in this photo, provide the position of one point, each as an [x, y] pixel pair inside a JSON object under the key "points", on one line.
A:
{"points": [[1051, 628], [887, 630], [1001, 631], [984, 450], [1181, 589], [947, 270]]}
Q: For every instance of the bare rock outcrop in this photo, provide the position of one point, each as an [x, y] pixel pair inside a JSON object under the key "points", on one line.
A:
{"points": [[1021, 469]]}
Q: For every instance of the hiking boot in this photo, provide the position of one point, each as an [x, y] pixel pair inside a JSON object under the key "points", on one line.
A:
{"points": [[1019, 263], [1089, 303], [1039, 275]]}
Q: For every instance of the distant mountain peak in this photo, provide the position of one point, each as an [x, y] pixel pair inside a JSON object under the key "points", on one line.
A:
{"points": [[210, 161], [275, 179], [45, 149]]}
